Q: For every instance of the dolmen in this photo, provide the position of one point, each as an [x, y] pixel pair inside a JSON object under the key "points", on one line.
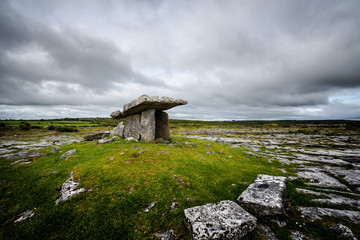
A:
{"points": [[146, 120]]}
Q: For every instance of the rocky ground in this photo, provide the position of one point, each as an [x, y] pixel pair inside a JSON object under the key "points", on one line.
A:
{"points": [[324, 162], [326, 159]]}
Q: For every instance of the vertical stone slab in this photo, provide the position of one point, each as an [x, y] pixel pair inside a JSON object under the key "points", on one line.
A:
{"points": [[162, 129], [147, 123], [132, 127]]}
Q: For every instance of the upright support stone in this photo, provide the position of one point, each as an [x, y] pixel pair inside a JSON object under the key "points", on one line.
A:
{"points": [[162, 125], [132, 127], [147, 123]]}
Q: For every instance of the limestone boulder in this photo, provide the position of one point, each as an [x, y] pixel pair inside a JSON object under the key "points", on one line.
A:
{"points": [[146, 102], [117, 114], [222, 220], [266, 196], [147, 123], [132, 127], [118, 130]]}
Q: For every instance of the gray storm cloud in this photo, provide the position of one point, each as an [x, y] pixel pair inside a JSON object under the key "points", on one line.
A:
{"points": [[229, 59]]}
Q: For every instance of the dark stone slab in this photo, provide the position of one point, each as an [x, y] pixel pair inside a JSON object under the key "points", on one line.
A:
{"points": [[162, 129]]}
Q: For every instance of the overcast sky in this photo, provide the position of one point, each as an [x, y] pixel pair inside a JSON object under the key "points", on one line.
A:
{"points": [[255, 59]]}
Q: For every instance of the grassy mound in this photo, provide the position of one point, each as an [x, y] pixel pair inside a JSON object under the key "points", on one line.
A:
{"points": [[124, 177]]}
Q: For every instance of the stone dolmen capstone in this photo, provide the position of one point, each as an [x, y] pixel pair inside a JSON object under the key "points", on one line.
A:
{"points": [[145, 118], [266, 196], [222, 220]]}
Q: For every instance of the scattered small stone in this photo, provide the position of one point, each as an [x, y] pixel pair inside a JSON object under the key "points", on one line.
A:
{"points": [[174, 204], [207, 145], [167, 235], [68, 189], [52, 172], [25, 215], [54, 150], [131, 139], [296, 235], [68, 154], [140, 153], [110, 159], [266, 196], [252, 154], [234, 185], [103, 141], [209, 152], [150, 206], [281, 224], [266, 232], [222, 152], [190, 199], [191, 144], [178, 179], [163, 152], [343, 232], [283, 170], [222, 220]]}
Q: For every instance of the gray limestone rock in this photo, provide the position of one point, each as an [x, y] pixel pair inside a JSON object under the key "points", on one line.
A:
{"points": [[296, 235], [24, 215], [342, 232], [68, 189], [266, 196], [321, 179], [146, 102], [266, 232], [150, 206], [21, 154], [331, 199], [103, 141], [316, 213], [93, 136], [116, 114], [174, 204], [132, 127], [167, 235], [162, 129], [222, 220], [118, 130], [147, 123], [68, 153]]}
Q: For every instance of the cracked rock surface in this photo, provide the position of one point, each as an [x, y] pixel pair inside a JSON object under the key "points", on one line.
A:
{"points": [[222, 220], [266, 196]]}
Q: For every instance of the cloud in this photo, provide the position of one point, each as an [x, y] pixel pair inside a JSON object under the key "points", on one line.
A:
{"points": [[229, 59]]}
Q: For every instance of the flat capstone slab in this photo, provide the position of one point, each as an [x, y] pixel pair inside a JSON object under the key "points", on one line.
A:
{"points": [[222, 220], [145, 102], [266, 196]]}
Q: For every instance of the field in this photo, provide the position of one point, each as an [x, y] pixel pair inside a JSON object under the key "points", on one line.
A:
{"points": [[204, 162]]}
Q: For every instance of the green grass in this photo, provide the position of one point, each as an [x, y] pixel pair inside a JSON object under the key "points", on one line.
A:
{"points": [[122, 183]]}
